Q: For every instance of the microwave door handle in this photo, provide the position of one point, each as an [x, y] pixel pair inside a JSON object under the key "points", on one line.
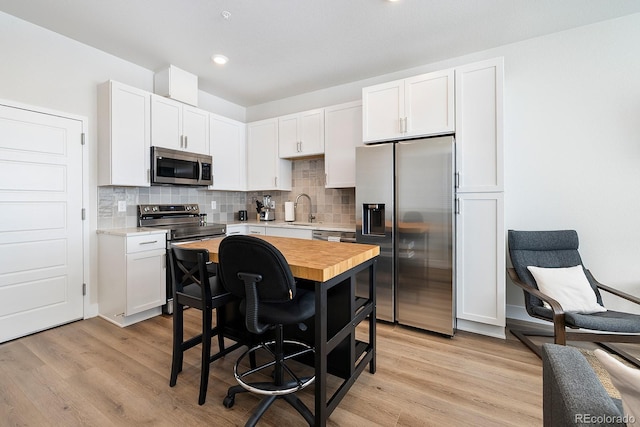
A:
{"points": [[199, 171]]}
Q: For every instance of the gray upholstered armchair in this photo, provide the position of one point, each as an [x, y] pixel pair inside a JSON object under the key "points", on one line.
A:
{"points": [[559, 249]]}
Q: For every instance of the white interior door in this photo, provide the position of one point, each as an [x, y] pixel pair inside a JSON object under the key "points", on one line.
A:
{"points": [[41, 231]]}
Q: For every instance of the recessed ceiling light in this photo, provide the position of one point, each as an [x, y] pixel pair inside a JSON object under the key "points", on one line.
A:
{"points": [[220, 59]]}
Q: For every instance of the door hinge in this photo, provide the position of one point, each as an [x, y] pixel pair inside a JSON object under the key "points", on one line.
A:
{"points": [[84, 214], [84, 289], [82, 139]]}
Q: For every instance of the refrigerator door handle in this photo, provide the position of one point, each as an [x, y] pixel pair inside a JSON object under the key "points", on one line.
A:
{"points": [[457, 184], [457, 207]]}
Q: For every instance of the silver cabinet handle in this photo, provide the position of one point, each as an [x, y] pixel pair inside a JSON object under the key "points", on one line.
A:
{"points": [[151, 242], [186, 141]]}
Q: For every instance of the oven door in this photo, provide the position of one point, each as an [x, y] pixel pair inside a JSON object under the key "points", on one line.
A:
{"points": [[180, 167]]}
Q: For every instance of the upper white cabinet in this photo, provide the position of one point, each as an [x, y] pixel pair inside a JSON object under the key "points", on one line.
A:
{"points": [[179, 126], [227, 141], [265, 169], [342, 134], [417, 106], [123, 135], [301, 134], [479, 135]]}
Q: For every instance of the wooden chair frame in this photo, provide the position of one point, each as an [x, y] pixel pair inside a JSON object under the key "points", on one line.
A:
{"points": [[560, 333]]}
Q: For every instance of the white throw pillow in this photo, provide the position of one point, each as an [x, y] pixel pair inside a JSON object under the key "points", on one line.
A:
{"points": [[626, 380], [569, 286]]}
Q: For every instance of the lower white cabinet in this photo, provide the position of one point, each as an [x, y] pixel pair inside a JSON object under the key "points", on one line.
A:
{"points": [[257, 230], [480, 264], [237, 229], [131, 276], [288, 231]]}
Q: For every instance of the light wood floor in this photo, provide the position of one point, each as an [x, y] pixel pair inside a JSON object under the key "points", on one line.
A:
{"points": [[92, 373]]}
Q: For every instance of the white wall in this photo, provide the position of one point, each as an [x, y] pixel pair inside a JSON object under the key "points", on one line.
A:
{"points": [[572, 140]]}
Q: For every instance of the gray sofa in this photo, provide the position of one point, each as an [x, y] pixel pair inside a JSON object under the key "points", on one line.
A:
{"points": [[572, 393]]}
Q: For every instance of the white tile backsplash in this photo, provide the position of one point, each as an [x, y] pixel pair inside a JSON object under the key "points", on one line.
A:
{"points": [[329, 205]]}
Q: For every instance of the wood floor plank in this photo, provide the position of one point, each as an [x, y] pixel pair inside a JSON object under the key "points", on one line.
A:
{"points": [[95, 373]]}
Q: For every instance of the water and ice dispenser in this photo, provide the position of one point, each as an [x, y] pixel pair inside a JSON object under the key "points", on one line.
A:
{"points": [[373, 219]]}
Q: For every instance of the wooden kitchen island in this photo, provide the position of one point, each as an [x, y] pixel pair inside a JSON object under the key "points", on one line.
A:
{"points": [[331, 268]]}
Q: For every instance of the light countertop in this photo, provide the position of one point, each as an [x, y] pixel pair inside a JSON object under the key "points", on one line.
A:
{"points": [[132, 231], [297, 224]]}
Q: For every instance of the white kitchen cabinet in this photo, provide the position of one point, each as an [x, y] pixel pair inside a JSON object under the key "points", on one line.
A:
{"points": [[480, 263], [237, 229], [265, 169], [179, 126], [124, 131], [228, 145], [289, 231], [479, 131], [131, 276], [301, 134], [417, 106], [343, 133], [257, 230]]}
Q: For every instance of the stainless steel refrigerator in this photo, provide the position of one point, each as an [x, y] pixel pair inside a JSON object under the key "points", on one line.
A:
{"points": [[405, 203]]}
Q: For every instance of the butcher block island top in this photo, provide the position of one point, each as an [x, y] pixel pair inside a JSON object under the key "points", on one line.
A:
{"points": [[316, 260]]}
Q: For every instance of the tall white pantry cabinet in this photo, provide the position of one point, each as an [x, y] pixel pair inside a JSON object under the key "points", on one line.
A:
{"points": [[480, 234]]}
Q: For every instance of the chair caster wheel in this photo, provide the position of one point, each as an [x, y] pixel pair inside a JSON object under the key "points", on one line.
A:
{"points": [[229, 401]]}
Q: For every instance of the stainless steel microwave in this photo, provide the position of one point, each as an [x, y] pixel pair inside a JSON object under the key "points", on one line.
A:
{"points": [[180, 167]]}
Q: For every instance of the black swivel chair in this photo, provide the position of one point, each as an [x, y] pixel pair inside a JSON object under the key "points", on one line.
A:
{"points": [[257, 272], [194, 286], [559, 249]]}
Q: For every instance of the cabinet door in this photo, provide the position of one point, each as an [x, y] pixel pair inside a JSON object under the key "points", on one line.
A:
{"points": [[311, 130], [343, 133], [429, 104], [479, 134], [195, 130], [228, 148], [382, 110], [301, 134], [288, 138], [166, 123], [295, 233], [265, 169], [480, 263], [146, 281], [256, 229], [237, 229], [124, 135]]}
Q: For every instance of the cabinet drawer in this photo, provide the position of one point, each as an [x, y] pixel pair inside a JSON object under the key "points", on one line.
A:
{"points": [[146, 242]]}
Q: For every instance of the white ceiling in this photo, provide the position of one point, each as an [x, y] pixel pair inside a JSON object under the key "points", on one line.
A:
{"points": [[281, 48]]}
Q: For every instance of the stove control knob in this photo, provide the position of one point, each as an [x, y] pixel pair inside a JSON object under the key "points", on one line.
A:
{"points": [[194, 207], [188, 208], [154, 209], [145, 209]]}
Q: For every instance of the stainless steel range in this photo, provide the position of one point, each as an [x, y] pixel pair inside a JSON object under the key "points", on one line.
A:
{"points": [[185, 224]]}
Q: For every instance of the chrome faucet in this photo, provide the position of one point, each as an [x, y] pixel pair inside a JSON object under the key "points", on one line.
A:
{"points": [[295, 205]]}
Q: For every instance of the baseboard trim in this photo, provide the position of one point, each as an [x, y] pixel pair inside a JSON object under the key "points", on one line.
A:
{"points": [[481, 328]]}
